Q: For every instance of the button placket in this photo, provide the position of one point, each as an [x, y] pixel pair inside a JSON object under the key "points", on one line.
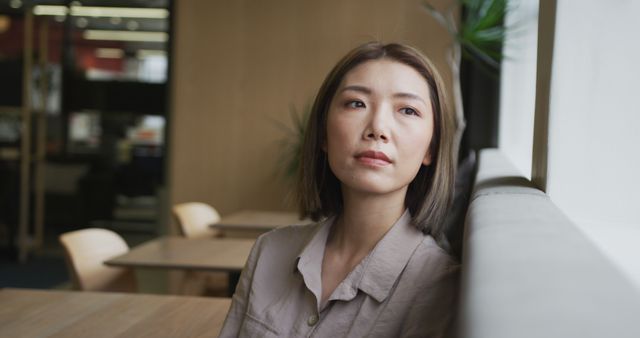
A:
{"points": [[313, 320]]}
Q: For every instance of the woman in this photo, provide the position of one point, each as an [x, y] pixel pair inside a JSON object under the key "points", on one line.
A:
{"points": [[377, 168]]}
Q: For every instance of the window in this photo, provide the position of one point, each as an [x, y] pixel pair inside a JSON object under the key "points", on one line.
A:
{"points": [[586, 154]]}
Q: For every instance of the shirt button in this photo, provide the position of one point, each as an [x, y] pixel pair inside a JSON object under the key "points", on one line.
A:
{"points": [[313, 319]]}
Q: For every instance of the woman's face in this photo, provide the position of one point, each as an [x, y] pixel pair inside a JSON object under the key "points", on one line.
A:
{"points": [[379, 127]]}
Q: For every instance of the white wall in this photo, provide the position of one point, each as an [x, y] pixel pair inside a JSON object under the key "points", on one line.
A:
{"points": [[592, 150], [518, 90], [593, 166]]}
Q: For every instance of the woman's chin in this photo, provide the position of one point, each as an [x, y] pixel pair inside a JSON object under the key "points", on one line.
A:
{"points": [[372, 187]]}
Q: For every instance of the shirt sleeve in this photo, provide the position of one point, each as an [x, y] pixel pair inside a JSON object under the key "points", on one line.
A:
{"points": [[236, 315]]}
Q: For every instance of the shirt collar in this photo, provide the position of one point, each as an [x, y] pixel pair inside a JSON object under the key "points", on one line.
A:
{"points": [[309, 261], [377, 272], [389, 257]]}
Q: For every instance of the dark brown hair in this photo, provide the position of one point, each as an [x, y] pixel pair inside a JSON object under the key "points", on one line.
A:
{"points": [[430, 193]]}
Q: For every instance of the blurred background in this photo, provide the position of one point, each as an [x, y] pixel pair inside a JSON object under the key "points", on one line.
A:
{"points": [[83, 111]]}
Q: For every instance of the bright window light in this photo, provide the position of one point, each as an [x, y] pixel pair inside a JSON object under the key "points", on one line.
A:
{"points": [[125, 36], [50, 10], [91, 11], [109, 53], [143, 53], [121, 12]]}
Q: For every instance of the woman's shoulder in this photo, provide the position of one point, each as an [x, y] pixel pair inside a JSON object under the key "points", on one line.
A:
{"points": [[430, 253], [290, 232], [287, 239], [275, 258]]}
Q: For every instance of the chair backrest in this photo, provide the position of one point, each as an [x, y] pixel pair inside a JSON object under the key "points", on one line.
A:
{"points": [[194, 219], [85, 253]]}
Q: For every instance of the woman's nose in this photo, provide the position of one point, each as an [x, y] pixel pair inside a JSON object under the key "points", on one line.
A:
{"points": [[377, 135], [377, 128]]}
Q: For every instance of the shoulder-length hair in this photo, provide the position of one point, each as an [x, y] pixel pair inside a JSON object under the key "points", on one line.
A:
{"points": [[429, 195]]}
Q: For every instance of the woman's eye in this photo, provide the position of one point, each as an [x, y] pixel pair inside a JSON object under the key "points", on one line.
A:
{"points": [[355, 104], [409, 111]]}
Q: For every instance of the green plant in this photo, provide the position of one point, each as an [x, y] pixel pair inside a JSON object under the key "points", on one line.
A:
{"points": [[481, 31], [478, 36], [291, 144]]}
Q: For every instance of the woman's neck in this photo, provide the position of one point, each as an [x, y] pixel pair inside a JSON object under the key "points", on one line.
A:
{"points": [[364, 220]]}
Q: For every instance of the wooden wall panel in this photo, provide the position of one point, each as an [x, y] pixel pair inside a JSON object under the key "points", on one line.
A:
{"points": [[238, 66]]}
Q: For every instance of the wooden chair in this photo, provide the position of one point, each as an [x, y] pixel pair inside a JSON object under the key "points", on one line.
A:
{"points": [[194, 220], [86, 250]]}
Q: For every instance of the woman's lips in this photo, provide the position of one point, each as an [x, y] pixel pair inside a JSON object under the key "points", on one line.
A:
{"points": [[374, 158]]}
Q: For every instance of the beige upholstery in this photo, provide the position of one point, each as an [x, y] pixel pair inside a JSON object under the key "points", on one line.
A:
{"points": [[85, 252], [194, 219], [529, 271]]}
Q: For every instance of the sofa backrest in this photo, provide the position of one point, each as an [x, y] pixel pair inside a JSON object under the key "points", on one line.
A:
{"points": [[528, 271]]}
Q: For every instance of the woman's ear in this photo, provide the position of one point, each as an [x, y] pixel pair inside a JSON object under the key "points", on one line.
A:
{"points": [[427, 157]]}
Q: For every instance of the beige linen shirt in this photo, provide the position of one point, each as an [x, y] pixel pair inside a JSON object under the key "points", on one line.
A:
{"points": [[405, 287]]}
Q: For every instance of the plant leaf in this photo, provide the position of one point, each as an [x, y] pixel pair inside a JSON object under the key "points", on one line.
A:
{"points": [[439, 17]]}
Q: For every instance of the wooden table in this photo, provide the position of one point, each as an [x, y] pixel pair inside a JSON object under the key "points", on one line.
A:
{"points": [[205, 254], [44, 313], [256, 222], [202, 254]]}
